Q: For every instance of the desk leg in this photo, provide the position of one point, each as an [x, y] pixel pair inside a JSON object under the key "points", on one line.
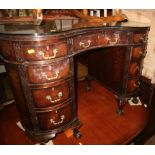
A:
{"points": [[89, 84], [135, 100], [121, 103]]}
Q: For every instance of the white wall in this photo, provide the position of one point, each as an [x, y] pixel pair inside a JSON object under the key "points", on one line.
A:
{"points": [[2, 69], [146, 16]]}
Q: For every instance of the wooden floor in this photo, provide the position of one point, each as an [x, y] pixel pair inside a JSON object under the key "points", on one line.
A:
{"points": [[97, 112]]}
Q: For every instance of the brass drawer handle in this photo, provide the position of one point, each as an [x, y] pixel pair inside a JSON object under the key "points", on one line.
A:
{"points": [[49, 98], [141, 53], [50, 78], [84, 45], [137, 68], [142, 39], [62, 117], [41, 53], [137, 84], [116, 39]]}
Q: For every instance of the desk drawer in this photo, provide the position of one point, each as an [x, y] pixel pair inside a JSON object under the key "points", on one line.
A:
{"points": [[139, 37], [133, 85], [53, 119], [116, 37], [84, 42], [55, 94], [134, 68], [137, 53], [48, 73], [34, 53]]}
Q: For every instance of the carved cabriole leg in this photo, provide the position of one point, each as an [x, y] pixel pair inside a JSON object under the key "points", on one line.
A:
{"points": [[89, 84], [121, 102], [135, 100], [77, 133]]}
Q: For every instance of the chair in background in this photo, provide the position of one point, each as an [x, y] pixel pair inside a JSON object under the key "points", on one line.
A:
{"points": [[6, 96]]}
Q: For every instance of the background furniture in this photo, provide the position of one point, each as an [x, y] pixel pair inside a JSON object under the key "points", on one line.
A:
{"points": [[6, 96]]}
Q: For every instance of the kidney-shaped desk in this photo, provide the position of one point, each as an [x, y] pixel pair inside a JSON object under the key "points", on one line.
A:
{"points": [[39, 61]]}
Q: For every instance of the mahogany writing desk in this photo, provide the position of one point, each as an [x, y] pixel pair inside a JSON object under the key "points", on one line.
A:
{"points": [[40, 64]]}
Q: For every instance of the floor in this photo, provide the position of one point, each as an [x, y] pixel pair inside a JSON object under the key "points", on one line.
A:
{"points": [[97, 112], [150, 141]]}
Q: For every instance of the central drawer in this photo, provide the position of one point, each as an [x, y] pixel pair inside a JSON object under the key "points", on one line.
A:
{"points": [[84, 42], [116, 37], [55, 94], [47, 73]]}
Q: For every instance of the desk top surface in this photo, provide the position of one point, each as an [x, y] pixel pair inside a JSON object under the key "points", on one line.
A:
{"points": [[60, 26]]}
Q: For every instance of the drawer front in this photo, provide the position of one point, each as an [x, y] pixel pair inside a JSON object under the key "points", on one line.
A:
{"points": [[137, 53], [105, 38], [51, 96], [48, 73], [84, 42], [139, 37], [115, 37], [56, 118], [134, 69], [48, 52], [133, 85]]}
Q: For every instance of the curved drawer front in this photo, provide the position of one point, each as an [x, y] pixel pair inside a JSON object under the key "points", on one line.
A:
{"points": [[133, 69], [84, 42], [56, 118], [133, 85], [34, 53], [48, 73], [139, 37], [137, 53], [51, 96], [107, 38], [115, 37]]}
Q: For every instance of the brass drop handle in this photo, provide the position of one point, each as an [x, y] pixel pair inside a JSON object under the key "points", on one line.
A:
{"points": [[50, 78], [41, 53], [137, 68], [116, 39], [49, 98], [142, 40], [62, 117], [85, 45], [137, 84], [141, 53]]}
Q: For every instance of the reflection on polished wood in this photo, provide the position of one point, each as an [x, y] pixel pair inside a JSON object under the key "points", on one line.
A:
{"points": [[100, 124], [96, 111]]}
